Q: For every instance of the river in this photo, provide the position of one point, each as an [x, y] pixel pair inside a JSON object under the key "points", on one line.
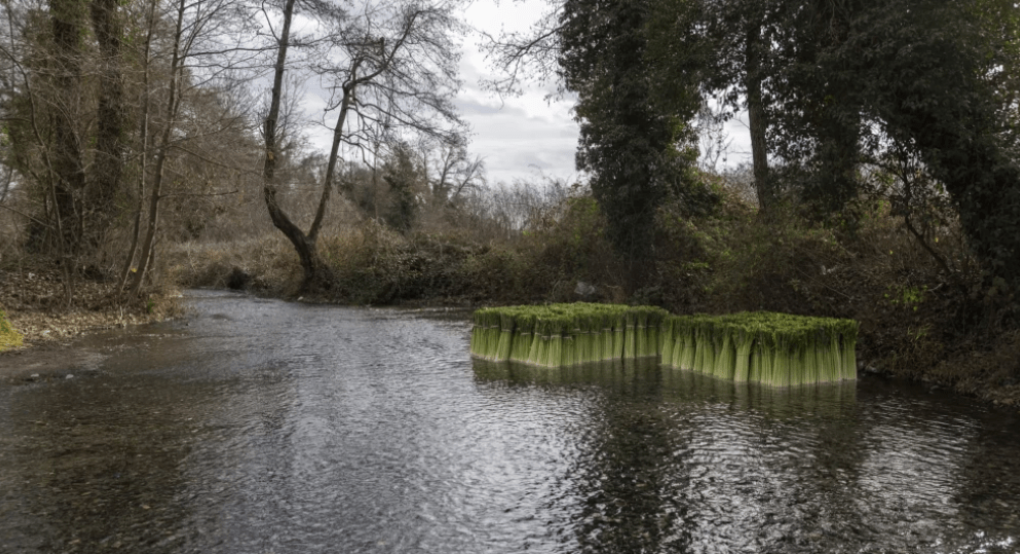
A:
{"points": [[261, 426]]}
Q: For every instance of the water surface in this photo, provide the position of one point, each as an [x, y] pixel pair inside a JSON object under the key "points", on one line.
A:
{"points": [[260, 426]]}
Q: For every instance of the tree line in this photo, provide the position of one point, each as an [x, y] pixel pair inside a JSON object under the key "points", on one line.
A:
{"points": [[117, 112], [112, 110], [917, 99]]}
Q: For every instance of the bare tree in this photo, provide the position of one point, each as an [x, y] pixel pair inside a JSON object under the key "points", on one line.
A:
{"points": [[450, 171], [390, 64], [34, 155], [201, 51], [526, 56], [714, 144], [143, 146]]}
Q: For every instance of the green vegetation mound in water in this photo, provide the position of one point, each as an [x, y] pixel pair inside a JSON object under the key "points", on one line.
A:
{"points": [[774, 349], [559, 335], [769, 348], [9, 338]]}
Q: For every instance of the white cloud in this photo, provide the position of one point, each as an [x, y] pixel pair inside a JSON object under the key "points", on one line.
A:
{"points": [[528, 132], [518, 136], [738, 130], [522, 135]]}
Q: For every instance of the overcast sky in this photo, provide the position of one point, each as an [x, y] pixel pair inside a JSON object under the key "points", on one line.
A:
{"points": [[519, 137], [526, 136]]}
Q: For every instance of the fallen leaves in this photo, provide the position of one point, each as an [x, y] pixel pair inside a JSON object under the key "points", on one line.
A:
{"points": [[34, 297]]}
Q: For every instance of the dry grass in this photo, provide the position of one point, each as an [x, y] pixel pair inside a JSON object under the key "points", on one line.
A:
{"points": [[270, 260], [917, 319]]}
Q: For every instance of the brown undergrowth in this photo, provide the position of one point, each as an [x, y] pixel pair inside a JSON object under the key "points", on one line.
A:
{"points": [[34, 295], [918, 321], [921, 318]]}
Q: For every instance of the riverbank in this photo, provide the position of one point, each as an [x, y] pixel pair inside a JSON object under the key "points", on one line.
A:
{"points": [[918, 320], [33, 295], [328, 407], [32, 300]]}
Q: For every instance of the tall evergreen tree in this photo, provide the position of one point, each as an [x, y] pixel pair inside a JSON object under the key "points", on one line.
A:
{"points": [[817, 122], [638, 155]]}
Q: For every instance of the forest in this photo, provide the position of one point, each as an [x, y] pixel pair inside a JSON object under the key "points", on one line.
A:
{"points": [[153, 145]]}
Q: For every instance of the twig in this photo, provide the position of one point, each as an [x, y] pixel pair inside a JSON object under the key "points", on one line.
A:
{"points": [[172, 194], [39, 221]]}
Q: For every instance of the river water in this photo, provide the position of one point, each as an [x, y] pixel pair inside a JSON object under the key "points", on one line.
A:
{"points": [[259, 426]]}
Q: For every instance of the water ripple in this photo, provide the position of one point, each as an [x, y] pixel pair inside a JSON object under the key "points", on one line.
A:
{"points": [[264, 426]]}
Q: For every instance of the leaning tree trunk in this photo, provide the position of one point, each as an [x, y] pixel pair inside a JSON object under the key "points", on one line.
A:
{"points": [[317, 275]]}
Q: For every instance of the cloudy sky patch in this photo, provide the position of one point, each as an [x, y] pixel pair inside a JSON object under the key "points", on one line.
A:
{"points": [[526, 136]]}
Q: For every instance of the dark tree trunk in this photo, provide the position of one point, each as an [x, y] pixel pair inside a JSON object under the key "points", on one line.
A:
{"points": [[985, 184], [110, 120], [756, 118], [66, 20], [317, 275]]}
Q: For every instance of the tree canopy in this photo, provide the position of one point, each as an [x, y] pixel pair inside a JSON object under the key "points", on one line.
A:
{"points": [[833, 91], [638, 154]]}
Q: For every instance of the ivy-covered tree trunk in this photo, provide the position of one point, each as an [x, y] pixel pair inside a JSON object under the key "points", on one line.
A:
{"points": [[66, 19], [756, 116], [108, 164], [986, 187], [984, 183], [634, 152], [933, 73]]}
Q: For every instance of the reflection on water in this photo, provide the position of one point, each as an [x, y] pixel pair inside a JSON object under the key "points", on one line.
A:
{"points": [[272, 427]]}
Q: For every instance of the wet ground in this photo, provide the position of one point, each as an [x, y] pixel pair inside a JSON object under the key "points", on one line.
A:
{"points": [[259, 426]]}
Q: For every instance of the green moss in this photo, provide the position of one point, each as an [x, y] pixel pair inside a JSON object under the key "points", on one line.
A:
{"points": [[9, 338]]}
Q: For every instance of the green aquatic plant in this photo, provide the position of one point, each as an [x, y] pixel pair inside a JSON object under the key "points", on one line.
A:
{"points": [[666, 341], [775, 349], [506, 335], [558, 335], [779, 350], [524, 336]]}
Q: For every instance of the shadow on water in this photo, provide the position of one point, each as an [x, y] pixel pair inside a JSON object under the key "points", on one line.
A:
{"points": [[101, 483], [680, 462]]}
